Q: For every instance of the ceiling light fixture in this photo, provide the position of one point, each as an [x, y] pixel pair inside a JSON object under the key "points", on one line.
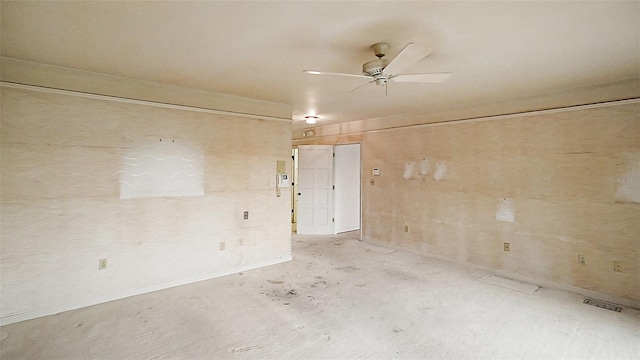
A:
{"points": [[311, 119]]}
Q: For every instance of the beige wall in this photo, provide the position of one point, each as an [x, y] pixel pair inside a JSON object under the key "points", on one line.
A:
{"points": [[62, 206], [570, 180], [324, 131]]}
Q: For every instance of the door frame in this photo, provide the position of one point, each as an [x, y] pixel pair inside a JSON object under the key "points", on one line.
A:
{"points": [[294, 186]]}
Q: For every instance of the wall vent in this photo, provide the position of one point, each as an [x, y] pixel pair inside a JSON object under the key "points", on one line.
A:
{"points": [[603, 305]]}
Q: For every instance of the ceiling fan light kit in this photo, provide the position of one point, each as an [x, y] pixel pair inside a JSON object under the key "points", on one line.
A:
{"points": [[382, 70]]}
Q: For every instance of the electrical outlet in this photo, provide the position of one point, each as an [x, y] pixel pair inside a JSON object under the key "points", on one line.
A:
{"points": [[507, 246], [617, 266], [406, 228], [222, 245], [582, 259], [102, 264], [246, 215]]}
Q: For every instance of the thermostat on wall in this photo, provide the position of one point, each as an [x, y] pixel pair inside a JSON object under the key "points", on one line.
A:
{"points": [[376, 171]]}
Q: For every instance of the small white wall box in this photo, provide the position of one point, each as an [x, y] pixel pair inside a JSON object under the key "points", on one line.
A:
{"points": [[283, 180], [376, 171]]}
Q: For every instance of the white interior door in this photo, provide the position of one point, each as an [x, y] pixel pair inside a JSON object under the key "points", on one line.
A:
{"points": [[347, 188], [315, 189]]}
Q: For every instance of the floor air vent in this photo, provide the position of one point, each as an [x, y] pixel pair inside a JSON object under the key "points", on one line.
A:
{"points": [[602, 304]]}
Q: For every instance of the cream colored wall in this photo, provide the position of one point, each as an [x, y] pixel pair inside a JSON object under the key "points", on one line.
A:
{"points": [[595, 94], [571, 181], [62, 158], [56, 77]]}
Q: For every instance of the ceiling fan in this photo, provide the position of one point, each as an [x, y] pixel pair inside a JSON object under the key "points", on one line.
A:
{"points": [[382, 70]]}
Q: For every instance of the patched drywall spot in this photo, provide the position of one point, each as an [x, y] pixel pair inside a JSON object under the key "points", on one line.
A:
{"points": [[505, 211], [162, 168], [441, 171], [424, 167], [628, 183], [408, 170]]}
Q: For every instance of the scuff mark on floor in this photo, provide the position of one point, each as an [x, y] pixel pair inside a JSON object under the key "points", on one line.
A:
{"points": [[245, 349], [348, 268]]}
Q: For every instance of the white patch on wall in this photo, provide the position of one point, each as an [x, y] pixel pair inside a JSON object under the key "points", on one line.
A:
{"points": [[505, 211], [441, 171], [408, 170], [424, 167], [162, 168], [628, 184]]}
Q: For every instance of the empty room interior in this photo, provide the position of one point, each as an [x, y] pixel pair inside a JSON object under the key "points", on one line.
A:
{"points": [[326, 180]]}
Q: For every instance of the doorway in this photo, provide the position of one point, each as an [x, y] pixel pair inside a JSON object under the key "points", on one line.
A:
{"points": [[326, 189]]}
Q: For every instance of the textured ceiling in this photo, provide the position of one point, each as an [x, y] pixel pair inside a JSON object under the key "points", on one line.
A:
{"points": [[495, 50]]}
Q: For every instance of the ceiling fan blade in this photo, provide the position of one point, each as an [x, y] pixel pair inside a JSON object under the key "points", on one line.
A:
{"points": [[361, 86], [411, 54], [314, 72], [422, 78]]}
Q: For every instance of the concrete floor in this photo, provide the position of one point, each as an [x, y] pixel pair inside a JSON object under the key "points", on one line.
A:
{"points": [[339, 299]]}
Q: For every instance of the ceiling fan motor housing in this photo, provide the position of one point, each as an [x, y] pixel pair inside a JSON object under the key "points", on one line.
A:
{"points": [[374, 68]]}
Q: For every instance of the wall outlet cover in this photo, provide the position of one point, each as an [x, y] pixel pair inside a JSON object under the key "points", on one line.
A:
{"points": [[582, 259], [617, 266]]}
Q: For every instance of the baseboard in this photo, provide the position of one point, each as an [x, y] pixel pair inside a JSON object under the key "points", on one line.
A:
{"points": [[535, 281], [36, 313]]}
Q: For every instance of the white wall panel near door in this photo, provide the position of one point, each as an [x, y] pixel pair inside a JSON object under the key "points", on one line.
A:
{"points": [[347, 192]]}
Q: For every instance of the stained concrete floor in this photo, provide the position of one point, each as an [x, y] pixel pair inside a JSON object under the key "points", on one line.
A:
{"points": [[339, 299]]}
